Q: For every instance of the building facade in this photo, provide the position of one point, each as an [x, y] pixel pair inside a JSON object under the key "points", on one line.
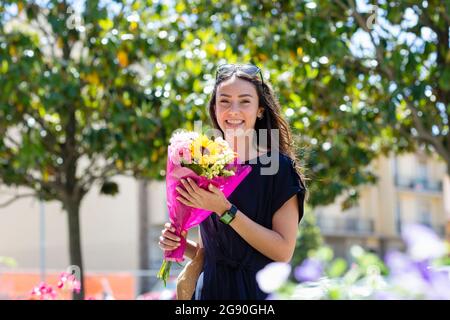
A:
{"points": [[409, 189]]}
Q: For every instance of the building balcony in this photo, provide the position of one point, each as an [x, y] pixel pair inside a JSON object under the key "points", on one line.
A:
{"points": [[418, 184], [345, 225]]}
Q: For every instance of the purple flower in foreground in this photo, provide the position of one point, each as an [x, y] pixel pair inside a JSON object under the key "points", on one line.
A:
{"points": [[385, 295], [273, 276], [422, 242], [439, 284], [273, 296], [309, 270], [398, 262], [418, 278], [406, 273]]}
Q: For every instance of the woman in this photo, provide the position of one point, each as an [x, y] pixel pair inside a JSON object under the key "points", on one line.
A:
{"points": [[258, 223]]}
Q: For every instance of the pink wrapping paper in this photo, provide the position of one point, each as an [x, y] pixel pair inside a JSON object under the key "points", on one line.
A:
{"points": [[184, 217]]}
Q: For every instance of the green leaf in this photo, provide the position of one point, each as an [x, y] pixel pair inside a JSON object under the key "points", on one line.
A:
{"points": [[194, 167], [337, 268], [444, 80]]}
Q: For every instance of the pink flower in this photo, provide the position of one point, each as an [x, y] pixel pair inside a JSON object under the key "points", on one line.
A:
{"points": [[180, 147], [180, 153], [43, 292], [68, 281]]}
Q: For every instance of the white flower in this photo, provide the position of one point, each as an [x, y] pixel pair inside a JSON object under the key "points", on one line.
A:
{"points": [[273, 276], [183, 136]]}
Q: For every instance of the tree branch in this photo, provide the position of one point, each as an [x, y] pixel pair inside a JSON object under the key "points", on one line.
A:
{"points": [[91, 178], [15, 198], [425, 135], [50, 141]]}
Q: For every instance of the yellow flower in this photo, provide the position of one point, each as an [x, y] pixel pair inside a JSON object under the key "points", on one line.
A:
{"points": [[204, 150], [122, 56]]}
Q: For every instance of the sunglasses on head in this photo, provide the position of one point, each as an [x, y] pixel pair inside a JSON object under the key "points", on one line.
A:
{"points": [[248, 69]]}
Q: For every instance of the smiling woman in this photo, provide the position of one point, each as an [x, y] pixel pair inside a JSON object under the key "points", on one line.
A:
{"points": [[258, 222], [238, 112]]}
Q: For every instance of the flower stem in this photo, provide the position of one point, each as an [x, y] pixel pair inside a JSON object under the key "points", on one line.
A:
{"points": [[164, 271]]}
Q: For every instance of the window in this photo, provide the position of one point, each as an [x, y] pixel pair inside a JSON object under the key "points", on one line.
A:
{"points": [[424, 213], [422, 175]]}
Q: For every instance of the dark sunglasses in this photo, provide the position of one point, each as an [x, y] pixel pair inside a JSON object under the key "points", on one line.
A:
{"points": [[248, 69]]}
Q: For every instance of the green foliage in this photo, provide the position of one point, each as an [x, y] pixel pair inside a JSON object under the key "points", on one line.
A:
{"points": [[109, 188], [309, 239], [346, 106], [8, 262]]}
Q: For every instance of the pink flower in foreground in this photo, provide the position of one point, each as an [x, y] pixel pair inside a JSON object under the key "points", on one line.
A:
{"points": [[68, 281], [180, 146], [180, 153], [43, 292]]}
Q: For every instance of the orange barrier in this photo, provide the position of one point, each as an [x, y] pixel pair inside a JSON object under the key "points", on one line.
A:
{"points": [[18, 285]]}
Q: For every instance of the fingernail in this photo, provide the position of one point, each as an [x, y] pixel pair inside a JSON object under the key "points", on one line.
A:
{"points": [[182, 181], [178, 239]]}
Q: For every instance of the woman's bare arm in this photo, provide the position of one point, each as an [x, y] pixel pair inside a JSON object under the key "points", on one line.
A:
{"points": [[277, 244], [192, 246]]}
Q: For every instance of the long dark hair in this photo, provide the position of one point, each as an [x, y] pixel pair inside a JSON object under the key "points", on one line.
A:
{"points": [[272, 118]]}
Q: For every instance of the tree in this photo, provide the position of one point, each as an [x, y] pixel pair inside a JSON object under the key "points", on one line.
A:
{"points": [[309, 239], [408, 55], [75, 109], [355, 81]]}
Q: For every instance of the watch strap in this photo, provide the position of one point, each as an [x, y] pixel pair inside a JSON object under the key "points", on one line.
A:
{"points": [[229, 215]]}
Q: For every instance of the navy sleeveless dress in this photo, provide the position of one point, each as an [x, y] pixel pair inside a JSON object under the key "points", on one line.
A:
{"points": [[231, 264]]}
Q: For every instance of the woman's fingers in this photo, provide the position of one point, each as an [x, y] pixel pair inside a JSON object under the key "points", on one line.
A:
{"points": [[169, 242], [168, 225], [188, 187], [165, 247], [194, 186], [214, 189], [185, 202], [184, 193], [170, 235]]}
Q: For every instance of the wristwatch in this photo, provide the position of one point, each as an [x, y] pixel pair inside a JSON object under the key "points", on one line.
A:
{"points": [[229, 215]]}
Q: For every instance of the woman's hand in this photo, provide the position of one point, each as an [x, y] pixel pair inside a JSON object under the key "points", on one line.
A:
{"points": [[168, 240], [194, 196]]}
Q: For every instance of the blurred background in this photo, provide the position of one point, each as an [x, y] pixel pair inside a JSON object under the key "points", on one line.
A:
{"points": [[90, 92]]}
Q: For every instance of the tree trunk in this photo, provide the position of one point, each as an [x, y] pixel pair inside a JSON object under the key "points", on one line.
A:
{"points": [[144, 253], [73, 211], [446, 196]]}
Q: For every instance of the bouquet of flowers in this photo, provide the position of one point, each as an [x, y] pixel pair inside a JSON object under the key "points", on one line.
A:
{"points": [[206, 161]]}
